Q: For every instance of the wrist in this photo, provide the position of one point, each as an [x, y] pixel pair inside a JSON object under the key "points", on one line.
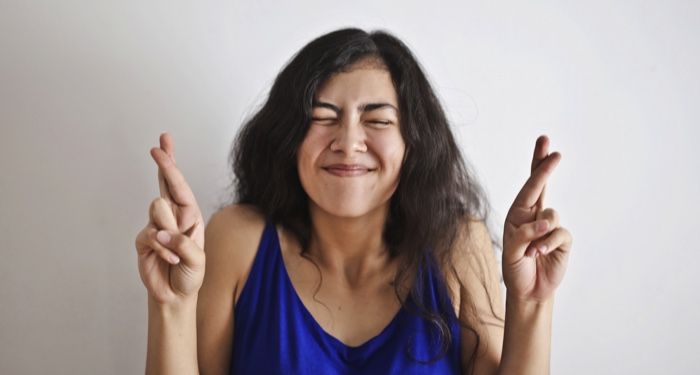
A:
{"points": [[527, 309], [530, 303], [178, 307], [527, 336]]}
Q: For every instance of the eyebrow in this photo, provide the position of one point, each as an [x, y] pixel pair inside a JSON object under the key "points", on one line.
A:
{"points": [[364, 107]]}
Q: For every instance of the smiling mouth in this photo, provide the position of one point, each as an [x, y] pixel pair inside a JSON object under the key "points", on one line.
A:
{"points": [[348, 171]]}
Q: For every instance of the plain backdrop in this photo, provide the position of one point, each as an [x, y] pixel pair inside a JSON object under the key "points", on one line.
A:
{"points": [[86, 87]]}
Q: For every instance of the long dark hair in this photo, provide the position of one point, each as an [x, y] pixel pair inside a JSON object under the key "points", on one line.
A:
{"points": [[436, 189]]}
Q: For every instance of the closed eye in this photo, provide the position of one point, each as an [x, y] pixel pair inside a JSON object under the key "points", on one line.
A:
{"points": [[325, 120], [331, 119], [379, 124]]}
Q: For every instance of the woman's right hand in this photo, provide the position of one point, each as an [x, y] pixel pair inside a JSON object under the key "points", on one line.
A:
{"points": [[172, 270]]}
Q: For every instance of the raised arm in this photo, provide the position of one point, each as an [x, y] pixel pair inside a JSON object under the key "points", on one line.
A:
{"points": [[171, 265], [535, 255], [518, 340]]}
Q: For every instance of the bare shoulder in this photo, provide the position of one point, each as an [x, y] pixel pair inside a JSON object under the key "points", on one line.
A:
{"points": [[476, 276], [472, 253], [230, 243], [232, 237], [236, 220], [473, 250], [478, 270]]}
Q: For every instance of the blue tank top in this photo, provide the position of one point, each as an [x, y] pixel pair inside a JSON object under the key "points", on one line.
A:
{"points": [[274, 333]]}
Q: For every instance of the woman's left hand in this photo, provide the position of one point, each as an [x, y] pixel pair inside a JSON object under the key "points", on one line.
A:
{"points": [[530, 273]]}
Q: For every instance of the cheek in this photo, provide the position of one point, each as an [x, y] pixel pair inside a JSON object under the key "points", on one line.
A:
{"points": [[391, 151], [309, 151], [304, 161]]}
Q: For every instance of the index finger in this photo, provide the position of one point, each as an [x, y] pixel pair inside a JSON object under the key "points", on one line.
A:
{"points": [[175, 184], [163, 187], [166, 144], [540, 153], [534, 186]]}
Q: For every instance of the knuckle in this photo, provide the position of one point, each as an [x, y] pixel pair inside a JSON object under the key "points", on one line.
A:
{"points": [[568, 236], [563, 232], [562, 236], [557, 234], [142, 237], [150, 232], [152, 207], [157, 206], [555, 216], [551, 215]]}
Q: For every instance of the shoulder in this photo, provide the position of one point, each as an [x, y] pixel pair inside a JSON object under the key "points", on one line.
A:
{"points": [[232, 236], [470, 256], [476, 277], [473, 250], [477, 270], [242, 214], [230, 243]]}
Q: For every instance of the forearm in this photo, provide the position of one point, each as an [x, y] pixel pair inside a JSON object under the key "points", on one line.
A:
{"points": [[527, 337], [172, 339]]}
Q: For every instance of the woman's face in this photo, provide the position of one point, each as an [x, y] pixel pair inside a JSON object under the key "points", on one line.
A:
{"points": [[350, 159]]}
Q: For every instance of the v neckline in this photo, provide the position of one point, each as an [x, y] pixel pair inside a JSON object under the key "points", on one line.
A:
{"points": [[380, 337]]}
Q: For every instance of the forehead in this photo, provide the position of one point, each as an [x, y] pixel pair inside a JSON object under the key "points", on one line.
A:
{"points": [[359, 83]]}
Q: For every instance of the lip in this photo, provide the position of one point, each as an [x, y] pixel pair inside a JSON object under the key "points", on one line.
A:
{"points": [[347, 170]]}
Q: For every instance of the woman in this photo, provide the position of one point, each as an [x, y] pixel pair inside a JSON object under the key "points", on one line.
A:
{"points": [[358, 243]]}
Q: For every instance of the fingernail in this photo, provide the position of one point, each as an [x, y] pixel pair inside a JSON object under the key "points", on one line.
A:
{"points": [[542, 225], [174, 259], [543, 249], [163, 237]]}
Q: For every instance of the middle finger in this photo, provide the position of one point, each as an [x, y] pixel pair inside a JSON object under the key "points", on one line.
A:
{"points": [[541, 152], [176, 184], [534, 186]]}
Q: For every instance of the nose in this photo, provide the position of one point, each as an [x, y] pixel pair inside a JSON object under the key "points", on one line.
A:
{"points": [[349, 137]]}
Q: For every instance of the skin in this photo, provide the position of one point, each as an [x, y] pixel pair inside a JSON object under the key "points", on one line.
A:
{"points": [[176, 217], [347, 215], [355, 122], [348, 212], [530, 271]]}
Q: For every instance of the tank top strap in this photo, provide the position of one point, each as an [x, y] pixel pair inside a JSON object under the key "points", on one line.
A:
{"points": [[257, 285]]}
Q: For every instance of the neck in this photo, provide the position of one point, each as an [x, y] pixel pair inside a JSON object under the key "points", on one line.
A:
{"points": [[351, 248]]}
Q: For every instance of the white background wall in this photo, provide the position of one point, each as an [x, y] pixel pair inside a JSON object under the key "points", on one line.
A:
{"points": [[87, 86]]}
